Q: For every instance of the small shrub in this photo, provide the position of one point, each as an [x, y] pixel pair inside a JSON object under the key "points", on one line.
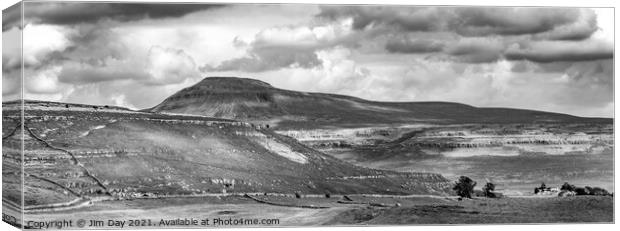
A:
{"points": [[488, 190]]}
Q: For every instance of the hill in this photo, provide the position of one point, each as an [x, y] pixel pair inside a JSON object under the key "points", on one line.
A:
{"points": [[254, 100]]}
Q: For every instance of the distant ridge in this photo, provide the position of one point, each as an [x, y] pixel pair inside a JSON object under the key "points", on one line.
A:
{"points": [[254, 100]]}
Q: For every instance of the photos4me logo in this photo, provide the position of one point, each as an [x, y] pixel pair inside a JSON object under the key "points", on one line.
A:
{"points": [[242, 221]]}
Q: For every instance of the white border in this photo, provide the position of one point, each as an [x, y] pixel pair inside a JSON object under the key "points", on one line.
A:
{"points": [[573, 3]]}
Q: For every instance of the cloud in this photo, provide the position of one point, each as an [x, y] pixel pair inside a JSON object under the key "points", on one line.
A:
{"points": [[43, 40], [287, 46], [582, 28], [478, 34], [43, 81], [553, 59], [460, 34], [160, 67], [336, 73], [275, 48], [122, 93], [554, 51], [264, 58], [11, 85], [169, 65], [476, 50], [11, 50], [407, 45], [81, 73], [479, 21], [269, 59], [92, 43], [558, 23], [11, 64], [406, 18], [69, 13], [94, 53], [583, 88]]}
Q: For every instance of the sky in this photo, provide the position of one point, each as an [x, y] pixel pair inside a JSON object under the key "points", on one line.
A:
{"points": [[136, 54]]}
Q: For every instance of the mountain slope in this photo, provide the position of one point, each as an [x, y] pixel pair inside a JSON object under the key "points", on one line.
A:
{"points": [[253, 100], [84, 151]]}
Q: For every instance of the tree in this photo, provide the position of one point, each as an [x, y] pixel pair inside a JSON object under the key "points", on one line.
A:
{"points": [[582, 191], [568, 187], [464, 187], [488, 190], [542, 188]]}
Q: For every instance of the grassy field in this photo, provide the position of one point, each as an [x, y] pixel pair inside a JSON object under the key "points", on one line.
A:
{"points": [[418, 210], [482, 210]]}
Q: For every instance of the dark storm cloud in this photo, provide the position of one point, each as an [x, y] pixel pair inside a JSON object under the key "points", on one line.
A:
{"points": [[544, 52], [470, 21], [510, 21], [558, 56], [68, 13], [459, 34], [405, 45], [474, 27]]}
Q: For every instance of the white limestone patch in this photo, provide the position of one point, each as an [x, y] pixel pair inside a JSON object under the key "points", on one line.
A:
{"points": [[283, 150], [92, 129]]}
